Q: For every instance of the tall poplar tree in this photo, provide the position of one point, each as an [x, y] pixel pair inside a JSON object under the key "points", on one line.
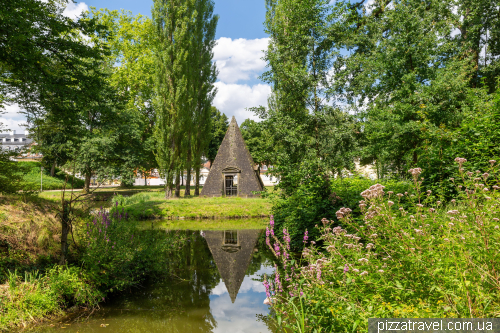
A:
{"points": [[171, 22], [203, 76], [185, 77]]}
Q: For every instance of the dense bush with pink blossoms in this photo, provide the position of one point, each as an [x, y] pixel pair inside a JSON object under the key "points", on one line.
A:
{"points": [[429, 260]]}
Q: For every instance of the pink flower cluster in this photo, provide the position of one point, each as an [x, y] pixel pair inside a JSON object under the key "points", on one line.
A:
{"points": [[374, 191]]}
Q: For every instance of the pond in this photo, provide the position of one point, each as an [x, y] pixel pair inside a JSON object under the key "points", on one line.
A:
{"points": [[214, 286]]}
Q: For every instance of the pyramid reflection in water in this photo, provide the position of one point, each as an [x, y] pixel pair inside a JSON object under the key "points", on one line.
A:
{"points": [[232, 251]]}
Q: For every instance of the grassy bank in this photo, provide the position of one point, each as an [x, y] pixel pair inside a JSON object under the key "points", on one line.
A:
{"points": [[153, 205], [107, 254], [32, 178]]}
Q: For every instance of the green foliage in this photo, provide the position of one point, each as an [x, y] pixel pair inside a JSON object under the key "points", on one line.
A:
{"points": [[131, 44], [31, 178], [476, 140], [184, 78], [35, 296], [118, 255], [220, 123], [316, 199], [256, 139], [424, 261], [11, 178]]}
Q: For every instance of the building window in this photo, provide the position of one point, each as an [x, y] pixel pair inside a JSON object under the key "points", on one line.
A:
{"points": [[231, 185]]}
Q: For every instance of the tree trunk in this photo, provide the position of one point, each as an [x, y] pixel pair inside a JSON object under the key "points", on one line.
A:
{"points": [[182, 178], [178, 184], [197, 185], [87, 182], [145, 179], [168, 191], [64, 231], [53, 169], [188, 183]]}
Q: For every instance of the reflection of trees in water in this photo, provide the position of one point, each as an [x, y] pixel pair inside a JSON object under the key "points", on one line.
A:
{"points": [[179, 303]]}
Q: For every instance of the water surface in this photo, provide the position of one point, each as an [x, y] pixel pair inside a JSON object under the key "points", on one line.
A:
{"points": [[213, 287]]}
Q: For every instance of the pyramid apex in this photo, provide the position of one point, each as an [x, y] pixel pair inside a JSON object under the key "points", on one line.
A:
{"points": [[233, 120]]}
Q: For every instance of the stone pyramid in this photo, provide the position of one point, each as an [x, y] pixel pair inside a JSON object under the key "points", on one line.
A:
{"points": [[232, 261], [233, 158]]}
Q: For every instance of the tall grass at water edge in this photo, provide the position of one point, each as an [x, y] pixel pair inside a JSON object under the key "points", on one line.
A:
{"points": [[426, 260], [114, 255]]}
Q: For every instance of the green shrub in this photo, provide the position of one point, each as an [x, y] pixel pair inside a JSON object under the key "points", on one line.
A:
{"points": [[427, 260], [315, 199], [118, 254]]}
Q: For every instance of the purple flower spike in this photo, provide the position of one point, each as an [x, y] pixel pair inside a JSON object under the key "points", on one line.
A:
{"points": [[117, 204], [306, 237], [346, 268]]}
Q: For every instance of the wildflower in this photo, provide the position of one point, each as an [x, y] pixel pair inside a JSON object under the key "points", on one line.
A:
{"points": [[438, 202], [460, 161], [400, 194], [452, 179], [495, 219], [343, 212], [370, 246], [305, 237], [492, 162], [390, 203], [451, 224], [374, 236], [446, 239], [420, 205], [415, 172], [380, 270], [412, 248], [346, 268], [453, 212], [390, 192], [363, 260], [364, 273], [496, 227]]}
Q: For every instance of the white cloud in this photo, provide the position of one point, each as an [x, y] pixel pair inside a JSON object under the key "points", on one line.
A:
{"points": [[232, 99], [74, 10], [239, 59], [11, 119]]}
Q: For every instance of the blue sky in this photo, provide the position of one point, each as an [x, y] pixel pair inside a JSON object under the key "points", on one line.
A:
{"points": [[238, 18], [240, 41]]}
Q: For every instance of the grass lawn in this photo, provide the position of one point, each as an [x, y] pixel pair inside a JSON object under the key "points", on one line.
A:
{"points": [[209, 224], [153, 204], [32, 178]]}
